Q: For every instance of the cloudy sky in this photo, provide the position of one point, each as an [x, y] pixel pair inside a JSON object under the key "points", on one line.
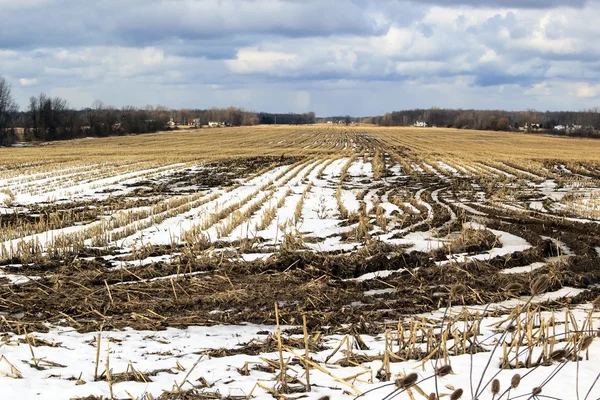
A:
{"points": [[359, 57]]}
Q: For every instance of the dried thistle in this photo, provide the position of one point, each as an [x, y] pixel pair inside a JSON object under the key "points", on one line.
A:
{"points": [[457, 394], [443, 371], [515, 381], [536, 390], [540, 285], [495, 386], [432, 396]]}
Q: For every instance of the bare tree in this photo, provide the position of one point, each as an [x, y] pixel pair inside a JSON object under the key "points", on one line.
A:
{"points": [[50, 118], [102, 120], [8, 111]]}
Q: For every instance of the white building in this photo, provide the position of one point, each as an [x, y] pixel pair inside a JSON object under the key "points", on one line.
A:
{"points": [[421, 124], [572, 127]]}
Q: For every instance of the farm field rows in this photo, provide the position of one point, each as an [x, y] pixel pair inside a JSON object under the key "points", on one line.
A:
{"points": [[150, 266]]}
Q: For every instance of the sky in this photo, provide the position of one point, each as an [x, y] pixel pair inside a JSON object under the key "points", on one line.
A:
{"points": [[334, 57]]}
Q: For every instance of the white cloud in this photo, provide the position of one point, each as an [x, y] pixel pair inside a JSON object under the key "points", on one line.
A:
{"points": [[577, 92], [28, 81], [6, 54], [108, 63], [489, 56], [253, 60], [362, 57], [586, 90], [539, 89]]}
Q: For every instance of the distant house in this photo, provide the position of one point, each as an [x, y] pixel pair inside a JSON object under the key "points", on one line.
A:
{"points": [[214, 124], [531, 126], [573, 127], [330, 122], [421, 124], [171, 123], [196, 122]]}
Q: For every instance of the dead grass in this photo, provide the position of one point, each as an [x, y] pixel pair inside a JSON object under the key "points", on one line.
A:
{"points": [[485, 145]]}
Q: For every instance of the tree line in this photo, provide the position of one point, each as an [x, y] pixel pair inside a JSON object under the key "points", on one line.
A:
{"points": [[584, 123], [8, 113], [287, 119], [51, 118]]}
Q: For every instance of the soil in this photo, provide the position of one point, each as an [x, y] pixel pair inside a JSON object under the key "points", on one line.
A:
{"points": [[90, 294]]}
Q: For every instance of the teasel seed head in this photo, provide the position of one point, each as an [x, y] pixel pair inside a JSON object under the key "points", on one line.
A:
{"points": [[495, 386], [558, 355], [585, 343], [457, 394], [514, 288], [458, 290], [515, 381], [540, 285], [443, 371], [407, 381]]}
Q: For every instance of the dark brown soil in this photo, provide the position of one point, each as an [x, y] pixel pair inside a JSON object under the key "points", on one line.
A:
{"points": [[88, 296], [191, 290]]}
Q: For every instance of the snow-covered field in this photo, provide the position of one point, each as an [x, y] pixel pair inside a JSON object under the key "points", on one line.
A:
{"points": [[140, 280], [218, 360]]}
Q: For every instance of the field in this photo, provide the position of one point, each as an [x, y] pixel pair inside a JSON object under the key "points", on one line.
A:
{"points": [[301, 262]]}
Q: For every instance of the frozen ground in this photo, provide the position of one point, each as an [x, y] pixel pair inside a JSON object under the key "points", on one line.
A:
{"points": [[183, 359], [188, 254]]}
